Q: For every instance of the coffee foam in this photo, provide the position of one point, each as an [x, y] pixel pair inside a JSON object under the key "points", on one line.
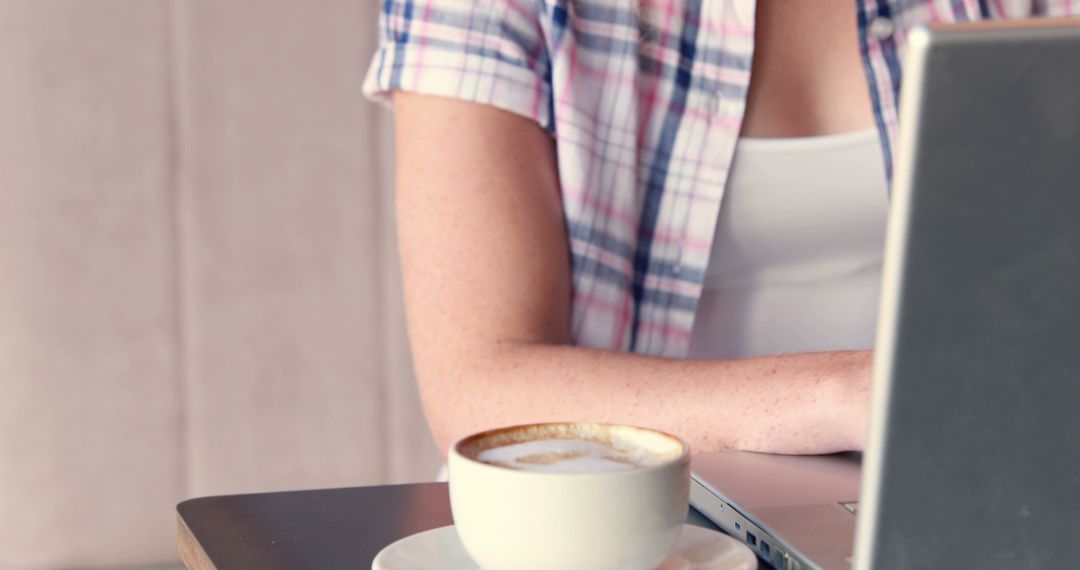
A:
{"points": [[572, 448]]}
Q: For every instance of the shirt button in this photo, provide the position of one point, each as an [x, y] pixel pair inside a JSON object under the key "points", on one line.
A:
{"points": [[676, 269], [882, 28]]}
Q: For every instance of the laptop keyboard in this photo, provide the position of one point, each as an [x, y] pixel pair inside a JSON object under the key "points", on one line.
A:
{"points": [[851, 506]]}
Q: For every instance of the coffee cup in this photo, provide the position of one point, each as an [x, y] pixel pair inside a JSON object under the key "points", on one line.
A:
{"points": [[569, 496]]}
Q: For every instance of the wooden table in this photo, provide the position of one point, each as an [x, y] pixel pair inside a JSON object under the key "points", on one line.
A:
{"points": [[311, 530]]}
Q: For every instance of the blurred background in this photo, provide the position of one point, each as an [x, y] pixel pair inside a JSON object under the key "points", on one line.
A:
{"points": [[198, 284]]}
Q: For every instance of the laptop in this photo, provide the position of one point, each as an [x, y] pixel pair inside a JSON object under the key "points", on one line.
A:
{"points": [[973, 459]]}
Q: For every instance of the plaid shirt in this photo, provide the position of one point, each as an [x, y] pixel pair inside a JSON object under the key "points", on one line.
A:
{"points": [[645, 106]]}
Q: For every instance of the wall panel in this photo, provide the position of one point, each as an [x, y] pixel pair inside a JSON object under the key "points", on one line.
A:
{"points": [[89, 414]]}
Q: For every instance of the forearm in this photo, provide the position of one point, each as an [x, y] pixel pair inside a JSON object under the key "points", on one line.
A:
{"points": [[801, 403], [486, 258]]}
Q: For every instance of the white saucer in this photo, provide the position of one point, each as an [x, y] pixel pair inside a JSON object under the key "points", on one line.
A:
{"points": [[440, 549]]}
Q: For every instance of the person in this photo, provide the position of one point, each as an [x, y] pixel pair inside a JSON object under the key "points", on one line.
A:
{"points": [[667, 213]]}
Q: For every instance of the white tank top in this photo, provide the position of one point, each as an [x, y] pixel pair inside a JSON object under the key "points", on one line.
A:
{"points": [[796, 260]]}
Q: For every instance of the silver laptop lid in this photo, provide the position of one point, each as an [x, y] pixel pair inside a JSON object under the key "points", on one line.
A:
{"points": [[974, 457]]}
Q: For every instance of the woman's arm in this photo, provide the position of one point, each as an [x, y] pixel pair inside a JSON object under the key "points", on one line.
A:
{"points": [[487, 291]]}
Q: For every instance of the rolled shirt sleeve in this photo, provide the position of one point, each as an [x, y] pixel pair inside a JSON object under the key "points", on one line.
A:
{"points": [[492, 52]]}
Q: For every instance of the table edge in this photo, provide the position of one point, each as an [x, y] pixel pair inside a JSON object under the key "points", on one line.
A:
{"points": [[191, 552]]}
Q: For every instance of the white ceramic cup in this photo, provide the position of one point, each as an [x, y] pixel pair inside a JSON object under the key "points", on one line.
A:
{"points": [[527, 520]]}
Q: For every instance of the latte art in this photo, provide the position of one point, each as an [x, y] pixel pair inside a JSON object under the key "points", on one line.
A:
{"points": [[569, 456], [572, 448]]}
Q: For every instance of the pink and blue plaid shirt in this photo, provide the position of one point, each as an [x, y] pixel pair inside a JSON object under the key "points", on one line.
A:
{"points": [[645, 106]]}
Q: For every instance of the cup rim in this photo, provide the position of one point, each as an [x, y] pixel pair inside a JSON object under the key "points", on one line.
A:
{"points": [[682, 457]]}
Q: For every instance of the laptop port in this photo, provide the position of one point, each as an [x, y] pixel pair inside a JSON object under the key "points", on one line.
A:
{"points": [[751, 539], [738, 526], [765, 550]]}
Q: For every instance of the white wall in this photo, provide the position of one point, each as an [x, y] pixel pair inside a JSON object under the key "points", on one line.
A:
{"points": [[198, 284]]}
